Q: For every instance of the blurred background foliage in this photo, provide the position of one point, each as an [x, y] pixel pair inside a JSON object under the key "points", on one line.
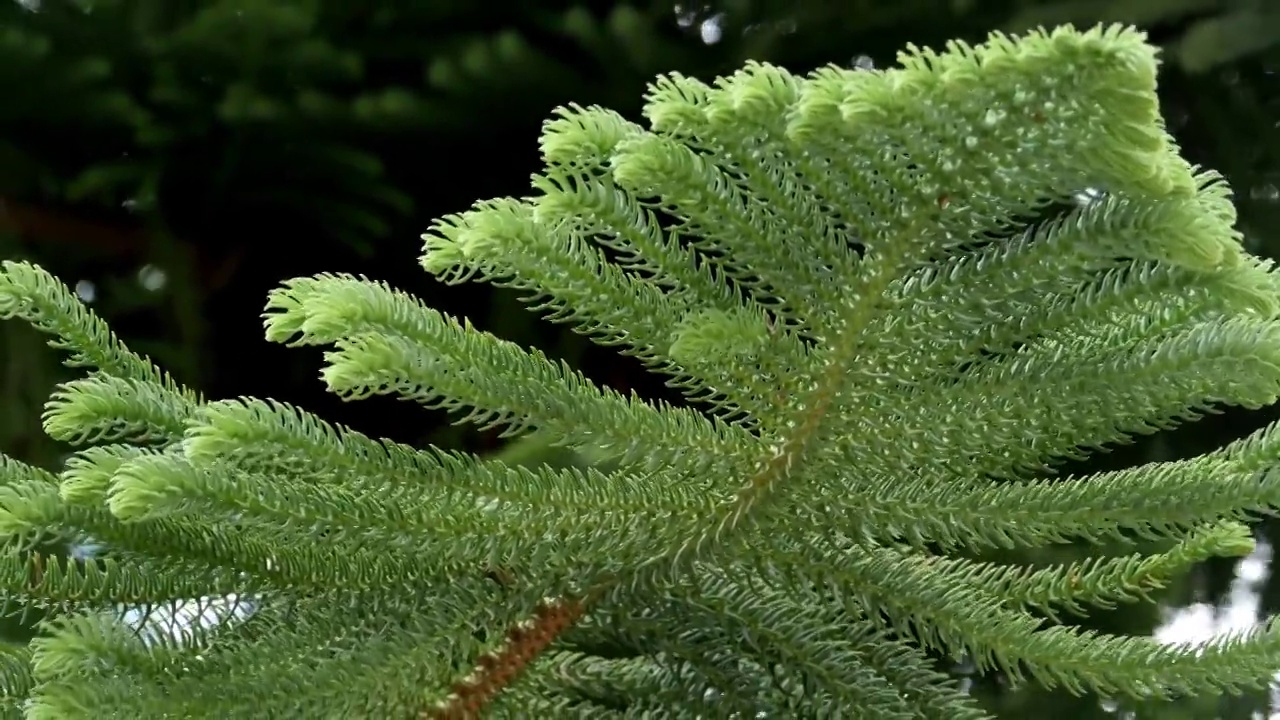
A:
{"points": [[176, 159]]}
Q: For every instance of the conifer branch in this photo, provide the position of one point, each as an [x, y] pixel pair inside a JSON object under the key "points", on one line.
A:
{"points": [[880, 355]]}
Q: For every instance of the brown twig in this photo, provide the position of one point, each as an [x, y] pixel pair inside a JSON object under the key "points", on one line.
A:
{"points": [[51, 226], [45, 225], [496, 669]]}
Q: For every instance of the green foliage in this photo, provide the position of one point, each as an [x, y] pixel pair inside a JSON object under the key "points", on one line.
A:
{"points": [[896, 300], [1206, 34], [283, 105], [1217, 32]]}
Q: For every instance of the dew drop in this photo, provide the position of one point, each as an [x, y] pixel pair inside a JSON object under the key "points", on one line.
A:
{"points": [[712, 29], [1268, 192], [152, 278], [86, 291]]}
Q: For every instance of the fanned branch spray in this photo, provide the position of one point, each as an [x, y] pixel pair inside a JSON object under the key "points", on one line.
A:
{"points": [[885, 358]]}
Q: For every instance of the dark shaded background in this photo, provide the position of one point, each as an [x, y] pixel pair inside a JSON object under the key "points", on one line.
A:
{"points": [[175, 160]]}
